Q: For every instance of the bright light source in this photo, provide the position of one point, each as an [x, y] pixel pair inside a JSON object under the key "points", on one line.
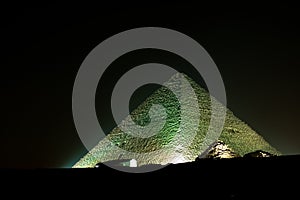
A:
{"points": [[133, 163]]}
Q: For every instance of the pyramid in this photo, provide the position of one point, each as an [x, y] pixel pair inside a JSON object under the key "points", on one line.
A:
{"points": [[164, 147]]}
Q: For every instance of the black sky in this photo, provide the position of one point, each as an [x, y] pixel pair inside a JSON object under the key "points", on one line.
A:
{"points": [[255, 48]]}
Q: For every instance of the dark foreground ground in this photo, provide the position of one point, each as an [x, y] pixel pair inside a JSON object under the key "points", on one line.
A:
{"points": [[233, 178]]}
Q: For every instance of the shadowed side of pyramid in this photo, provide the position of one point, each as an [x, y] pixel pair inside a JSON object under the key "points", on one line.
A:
{"points": [[163, 148]]}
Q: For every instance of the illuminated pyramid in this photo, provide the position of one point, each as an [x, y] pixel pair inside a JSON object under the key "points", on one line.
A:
{"points": [[163, 148]]}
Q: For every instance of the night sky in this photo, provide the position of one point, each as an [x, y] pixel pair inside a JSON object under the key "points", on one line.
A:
{"points": [[255, 48]]}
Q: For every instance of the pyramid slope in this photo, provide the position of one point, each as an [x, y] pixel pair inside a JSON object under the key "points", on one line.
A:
{"points": [[159, 149]]}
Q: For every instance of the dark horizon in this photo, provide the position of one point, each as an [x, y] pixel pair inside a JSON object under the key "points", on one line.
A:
{"points": [[256, 50]]}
